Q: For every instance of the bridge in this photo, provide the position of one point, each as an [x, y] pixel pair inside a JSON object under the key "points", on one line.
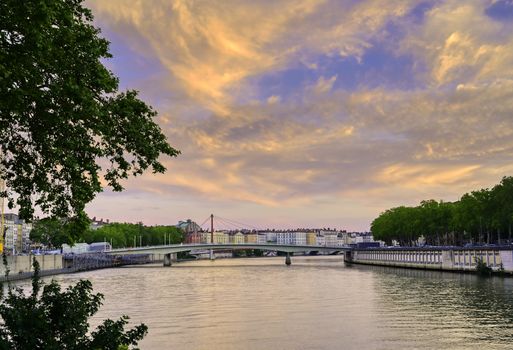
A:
{"points": [[167, 250]]}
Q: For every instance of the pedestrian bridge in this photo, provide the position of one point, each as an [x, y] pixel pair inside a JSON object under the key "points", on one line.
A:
{"points": [[167, 250]]}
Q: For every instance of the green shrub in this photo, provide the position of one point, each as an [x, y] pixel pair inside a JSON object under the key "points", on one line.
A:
{"points": [[51, 318], [483, 269]]}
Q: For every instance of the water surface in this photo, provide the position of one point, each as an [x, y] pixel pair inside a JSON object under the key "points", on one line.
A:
{"points": [[317, 303]]}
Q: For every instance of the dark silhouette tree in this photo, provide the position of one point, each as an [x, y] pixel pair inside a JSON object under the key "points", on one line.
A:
{"points": [[61, 114], [50, 318]]}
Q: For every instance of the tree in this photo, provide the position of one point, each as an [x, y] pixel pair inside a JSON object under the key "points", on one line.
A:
{"points": [[503, 198], [125, 235], [50, 232], [54, 232], [476, 213], [61, 114], [50, 318]]}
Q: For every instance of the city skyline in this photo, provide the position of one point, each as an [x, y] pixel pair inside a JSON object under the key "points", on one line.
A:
{"points": [[313, 113]]}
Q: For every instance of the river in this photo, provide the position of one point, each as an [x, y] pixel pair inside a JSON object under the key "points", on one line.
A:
{"points": [[316, 303]]}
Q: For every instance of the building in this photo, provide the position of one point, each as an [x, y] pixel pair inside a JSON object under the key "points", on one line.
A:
{"points": [[97, 247], [193, 237], [364, 238], [331, 239], [284, 237], [221, 238], [291, 238], [348, 238], [96, 224], [311, 238], [82, 248], [270, 237], [237, 238], [77, 248], [321, 240], [188, 226], [300, 238], [192, 231], [261, 238], [251, 238], [17, 234], [206, 237]]}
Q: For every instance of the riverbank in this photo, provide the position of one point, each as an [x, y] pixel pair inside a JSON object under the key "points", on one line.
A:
{"points": [[20, 266], [457, 259]]}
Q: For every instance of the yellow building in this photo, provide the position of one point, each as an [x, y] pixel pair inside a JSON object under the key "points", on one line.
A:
{"points": [[205, 237], [237, 238], [221, 238], [311, 238], [251, 238]]}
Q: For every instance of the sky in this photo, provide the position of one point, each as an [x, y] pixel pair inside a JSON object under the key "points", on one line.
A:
{"points": [[313, 113]]}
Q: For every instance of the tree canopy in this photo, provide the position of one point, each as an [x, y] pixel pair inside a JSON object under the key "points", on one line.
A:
{"points": [[53, 319], [61, 114], [484, 215], [124, 235], [54, 232]]}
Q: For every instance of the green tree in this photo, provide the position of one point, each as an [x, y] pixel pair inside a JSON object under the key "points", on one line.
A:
{"points": [[478, 215], [52, 319], [502, 195], [54, 232], [61, 114], [400, 224], [125, 235], [484, 209]]}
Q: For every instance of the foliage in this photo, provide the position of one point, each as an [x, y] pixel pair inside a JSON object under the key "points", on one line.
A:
{"points": [[485, 215], [125, 235], [483, 269], [50, 318], [501, 271], [54, 232], [61, 114]]}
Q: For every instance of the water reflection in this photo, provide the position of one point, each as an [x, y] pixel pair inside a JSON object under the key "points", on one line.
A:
{"points": [[317, 303], [445, 309]]}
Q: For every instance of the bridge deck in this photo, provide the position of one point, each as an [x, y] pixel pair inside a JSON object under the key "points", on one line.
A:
{"points": [[176, 248]]}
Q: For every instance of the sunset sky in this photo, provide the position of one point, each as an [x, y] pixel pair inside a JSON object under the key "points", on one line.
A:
{"points": [[313, 113]]}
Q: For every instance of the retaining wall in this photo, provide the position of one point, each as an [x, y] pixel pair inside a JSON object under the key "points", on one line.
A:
{"points": [[449, 259], [19, 264]]}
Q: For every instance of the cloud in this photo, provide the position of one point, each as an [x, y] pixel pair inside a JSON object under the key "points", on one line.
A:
{"points": [[324, 85], [273, 99], [211, 47], [310, 145], [460, 42]]}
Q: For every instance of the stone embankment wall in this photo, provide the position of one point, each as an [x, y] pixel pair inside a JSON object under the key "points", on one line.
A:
{"points": [[450, 259], [22, 264]]}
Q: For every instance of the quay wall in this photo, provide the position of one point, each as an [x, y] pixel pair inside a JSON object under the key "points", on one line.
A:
{"points": [[19, 264], [446, 258]]}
